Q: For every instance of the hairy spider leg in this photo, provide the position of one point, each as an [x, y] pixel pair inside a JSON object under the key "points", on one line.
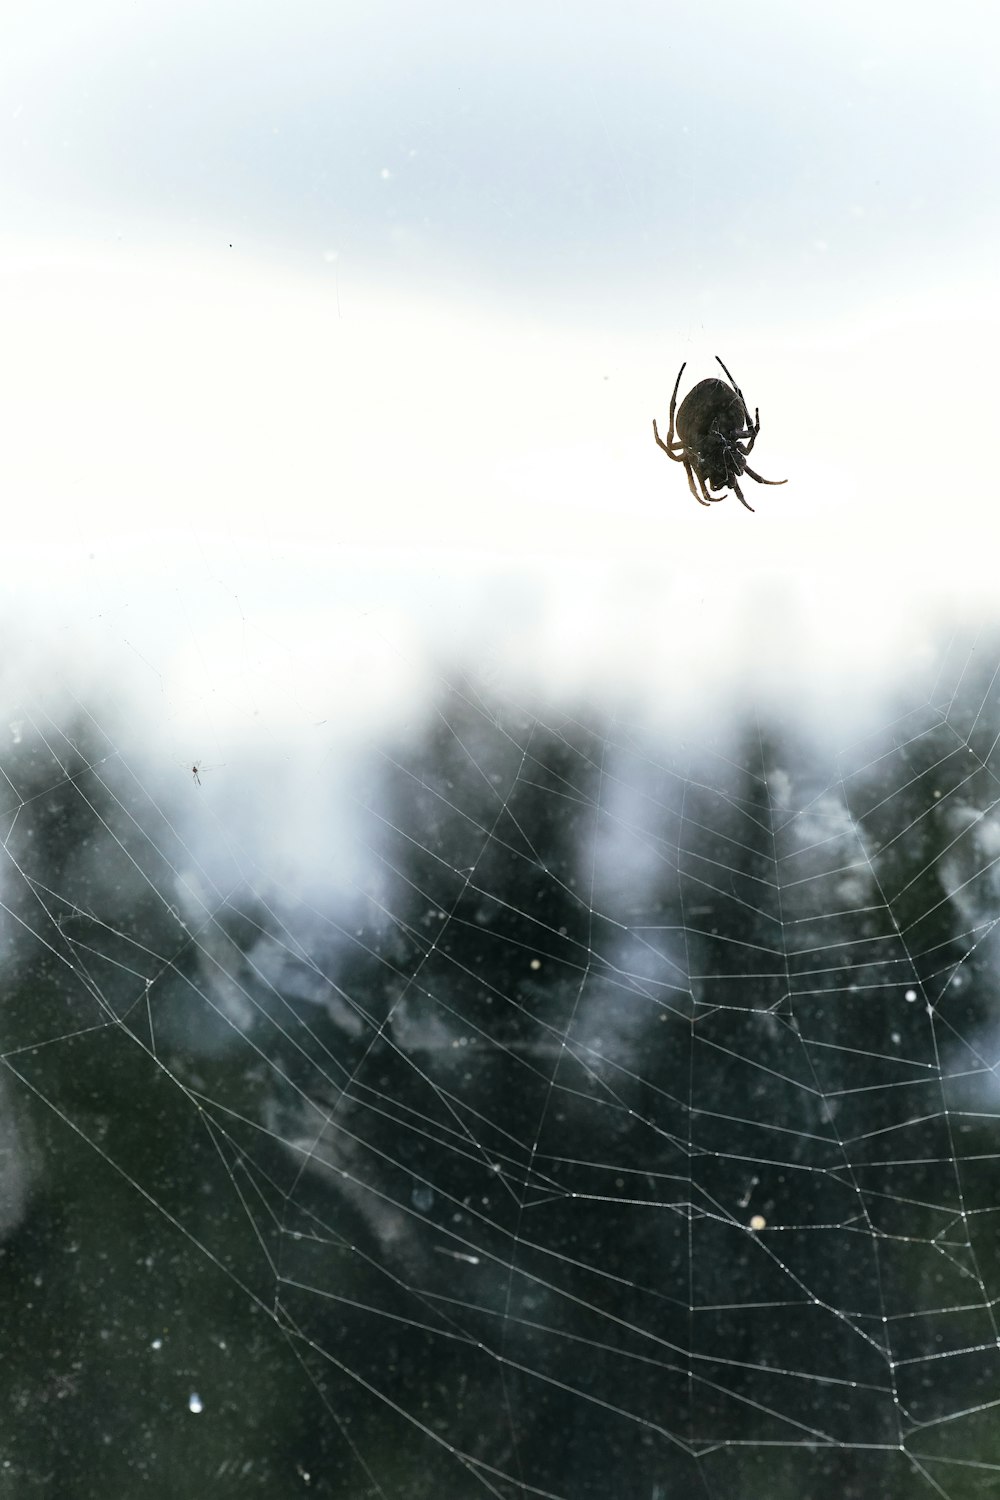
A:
{"points": [[732, 382], [673, 401], [709, 499], [669, 446], [759, 478], [753, 438], [752, 427], [678, 457], [687, 470], [739, 493]]}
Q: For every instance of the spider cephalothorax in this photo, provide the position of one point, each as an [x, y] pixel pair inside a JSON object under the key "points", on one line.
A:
{"points": [[714, 437]]}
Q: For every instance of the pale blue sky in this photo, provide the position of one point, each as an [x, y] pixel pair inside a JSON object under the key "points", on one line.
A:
{"points": [[312, 290], [585, 160]]}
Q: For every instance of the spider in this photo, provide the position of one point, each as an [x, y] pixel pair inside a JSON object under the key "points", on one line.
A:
{"points": [[714, 436]]}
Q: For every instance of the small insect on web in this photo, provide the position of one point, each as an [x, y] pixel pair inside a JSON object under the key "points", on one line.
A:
{"points": [[196, 767], [714, 437]]}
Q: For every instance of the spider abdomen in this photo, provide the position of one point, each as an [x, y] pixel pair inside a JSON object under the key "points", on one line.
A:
{"points": [[709, 414]]}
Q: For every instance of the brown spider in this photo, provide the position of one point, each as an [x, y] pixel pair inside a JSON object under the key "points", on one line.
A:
{"points": [[714, 436]]}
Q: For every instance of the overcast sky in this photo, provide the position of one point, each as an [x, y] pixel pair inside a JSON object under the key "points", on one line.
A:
{"points": [[293, 292], [776, 160]]}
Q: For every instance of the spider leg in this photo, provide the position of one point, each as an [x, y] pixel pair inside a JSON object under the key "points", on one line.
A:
{"points": [[753, 426], [759, 480], [735, 486], [701, 481], [705, 491], [673, 401], [666, 446]]}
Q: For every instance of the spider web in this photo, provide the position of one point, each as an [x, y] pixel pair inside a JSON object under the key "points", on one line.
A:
{"points": [[599, 1108]]}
